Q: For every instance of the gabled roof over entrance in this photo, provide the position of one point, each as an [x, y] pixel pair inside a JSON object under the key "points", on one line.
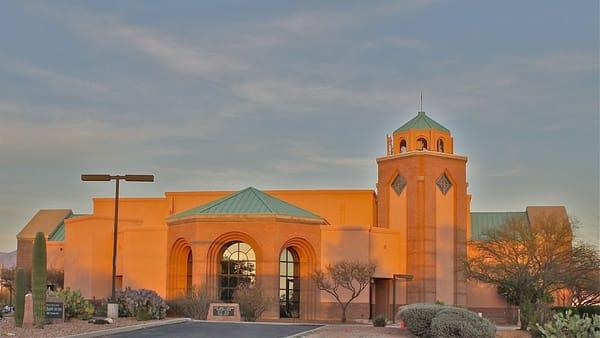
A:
{"points": [[249, 201]]}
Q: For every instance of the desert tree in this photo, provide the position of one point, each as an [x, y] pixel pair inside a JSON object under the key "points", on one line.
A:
{"points": [[344, 281], [56, 278], [529, 263]]}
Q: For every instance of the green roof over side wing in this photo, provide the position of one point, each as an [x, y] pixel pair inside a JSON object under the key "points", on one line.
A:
{"points": [[421, 121], [484, 222], [58, 235], [247, 202]]}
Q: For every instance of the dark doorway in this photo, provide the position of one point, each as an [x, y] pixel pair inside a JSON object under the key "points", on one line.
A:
{"points": [[380, 298]]}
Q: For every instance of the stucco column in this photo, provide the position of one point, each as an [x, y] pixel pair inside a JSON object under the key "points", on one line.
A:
{"points": [[268, 279]]}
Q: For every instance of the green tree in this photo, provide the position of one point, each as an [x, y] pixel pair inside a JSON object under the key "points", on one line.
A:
{"points": [[529, 263], [351, 276], [38, 279]]}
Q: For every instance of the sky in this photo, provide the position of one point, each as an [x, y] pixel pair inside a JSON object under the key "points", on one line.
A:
{"points": [[294, 95]]}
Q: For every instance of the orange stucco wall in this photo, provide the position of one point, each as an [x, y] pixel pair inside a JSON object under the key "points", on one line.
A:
{"points": [[430, 216], [55, 258]]}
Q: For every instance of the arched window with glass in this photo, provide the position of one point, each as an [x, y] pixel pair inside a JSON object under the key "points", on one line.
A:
{"points": [[289, 284], [238, 266], [421, 143], [403, 147], [440, 145]]}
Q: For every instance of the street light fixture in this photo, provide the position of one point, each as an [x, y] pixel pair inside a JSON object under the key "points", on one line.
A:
{"points": [[116, 178]]}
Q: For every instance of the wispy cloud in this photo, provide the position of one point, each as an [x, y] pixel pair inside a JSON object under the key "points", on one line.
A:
{"points": [[309, 23], [54, 79], [566, 62], [179, 56]]}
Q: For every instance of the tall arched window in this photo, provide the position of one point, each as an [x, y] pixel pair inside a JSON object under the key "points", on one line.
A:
{"points": [[403, 148], [289, 284], [421, 143], [440, 145], [238, 266]]}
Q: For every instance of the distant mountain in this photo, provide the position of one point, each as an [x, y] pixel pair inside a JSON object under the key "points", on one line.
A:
{"points": [[8, 259]]}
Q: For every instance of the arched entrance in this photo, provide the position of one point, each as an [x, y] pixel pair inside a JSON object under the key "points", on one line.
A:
{"points": [[180, 269], [289, 284]]}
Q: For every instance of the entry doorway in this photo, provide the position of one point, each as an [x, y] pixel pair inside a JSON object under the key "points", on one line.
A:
{"points": [[380, 298]]}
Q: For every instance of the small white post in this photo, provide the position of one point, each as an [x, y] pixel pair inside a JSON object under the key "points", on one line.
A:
{"points": [[112, 310]]}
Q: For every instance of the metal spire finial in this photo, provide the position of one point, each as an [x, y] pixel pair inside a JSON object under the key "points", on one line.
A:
{"points": [[421, 101]]}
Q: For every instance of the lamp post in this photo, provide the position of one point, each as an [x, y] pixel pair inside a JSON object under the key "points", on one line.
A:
{"points": [[116, 178]]}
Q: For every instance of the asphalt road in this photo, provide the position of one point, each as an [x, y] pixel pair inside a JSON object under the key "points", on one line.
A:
{"points": [[220, 330]]}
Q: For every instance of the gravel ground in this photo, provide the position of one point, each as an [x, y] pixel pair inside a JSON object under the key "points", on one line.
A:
{"points": [[512, 334], [356, 331], [359, 331], [74, 326]]}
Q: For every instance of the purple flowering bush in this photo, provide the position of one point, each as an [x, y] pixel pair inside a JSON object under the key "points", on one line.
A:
{"points": [[141, 303]]}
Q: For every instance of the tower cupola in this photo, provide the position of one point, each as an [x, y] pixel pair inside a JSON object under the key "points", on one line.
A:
{"points": [[421, 133]]}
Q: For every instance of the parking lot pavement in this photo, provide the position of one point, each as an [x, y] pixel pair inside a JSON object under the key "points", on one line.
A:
{"points": [[220, 330]]}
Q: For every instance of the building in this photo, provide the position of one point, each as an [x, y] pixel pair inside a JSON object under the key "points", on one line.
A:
{"points": [[418, 222]]}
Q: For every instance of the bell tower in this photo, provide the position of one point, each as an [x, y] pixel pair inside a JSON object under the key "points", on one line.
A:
{"points": [[422, 195]]}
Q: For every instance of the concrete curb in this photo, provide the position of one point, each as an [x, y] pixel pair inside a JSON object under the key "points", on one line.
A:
{"points": [[130, 328]]}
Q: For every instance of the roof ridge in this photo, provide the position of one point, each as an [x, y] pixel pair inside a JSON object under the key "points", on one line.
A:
{"points": [[220, 201], [249, 201], [422, 118], [254, 191]]}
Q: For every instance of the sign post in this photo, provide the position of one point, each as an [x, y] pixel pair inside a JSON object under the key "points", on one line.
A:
{"points": [[55, 309]]}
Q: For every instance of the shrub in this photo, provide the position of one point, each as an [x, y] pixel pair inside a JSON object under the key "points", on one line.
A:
{"points": [[379, 321], [252, 302], [100, 308], [589, 310], [571, 325], [418, 317], [194, 305], [457, 322], [133, 300], [143, 314], [75, 305]]}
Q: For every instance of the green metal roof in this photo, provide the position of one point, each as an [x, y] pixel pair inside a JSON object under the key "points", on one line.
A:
{"points": [[484, 222], [58, 235], [248, 201], [422, 121]]}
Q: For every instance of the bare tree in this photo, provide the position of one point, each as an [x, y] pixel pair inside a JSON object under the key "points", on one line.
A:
{"points": [[583, 288], [351, 276], [56, 278], [529, 263]]}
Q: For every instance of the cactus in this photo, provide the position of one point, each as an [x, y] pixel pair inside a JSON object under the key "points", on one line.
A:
{"points": [[19, 296], [38, 279]]}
